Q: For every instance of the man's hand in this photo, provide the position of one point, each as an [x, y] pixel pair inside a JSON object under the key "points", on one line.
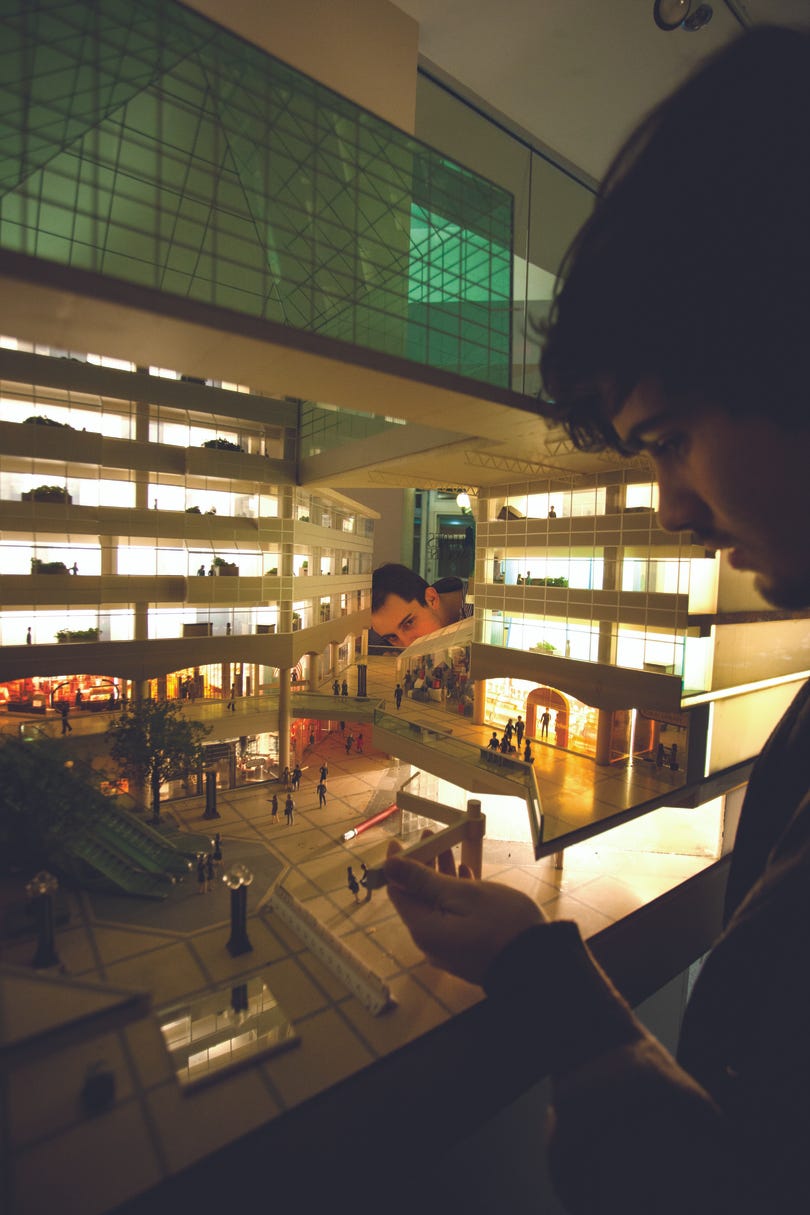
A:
{"points": [[460, 924]]}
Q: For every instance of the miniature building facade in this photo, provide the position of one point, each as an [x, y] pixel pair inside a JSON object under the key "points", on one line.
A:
{"points": [[178, 523]]}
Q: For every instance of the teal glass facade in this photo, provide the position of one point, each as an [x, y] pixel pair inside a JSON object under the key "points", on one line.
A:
{"points": [[143, 142]]}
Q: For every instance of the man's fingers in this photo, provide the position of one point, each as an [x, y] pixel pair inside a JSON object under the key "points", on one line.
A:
{"points": [[446, 863], [394, 847], [416, 880]]}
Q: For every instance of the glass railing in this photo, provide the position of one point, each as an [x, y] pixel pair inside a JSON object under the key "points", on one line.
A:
{"points": [[513, 772]]}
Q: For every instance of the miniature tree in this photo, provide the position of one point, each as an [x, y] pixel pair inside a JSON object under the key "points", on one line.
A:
{"points": [[151, 741]]}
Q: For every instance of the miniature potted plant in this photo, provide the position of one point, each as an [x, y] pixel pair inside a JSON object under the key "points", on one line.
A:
{"points": [[47, 567], [544, 647], [273, 572], [43, 421], [47, 493], [222, 445], [225, 569], [64, 635]]}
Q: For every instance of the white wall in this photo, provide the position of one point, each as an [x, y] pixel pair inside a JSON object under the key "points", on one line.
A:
{"points": [[364, 49], [393, 531], [741, 724]]}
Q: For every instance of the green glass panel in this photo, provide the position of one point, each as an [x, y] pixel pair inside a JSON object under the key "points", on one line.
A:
{"points": [[144, 142]]}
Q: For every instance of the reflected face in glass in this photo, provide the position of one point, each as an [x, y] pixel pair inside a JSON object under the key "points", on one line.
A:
{"points": [[739, 483], [401, 621]]}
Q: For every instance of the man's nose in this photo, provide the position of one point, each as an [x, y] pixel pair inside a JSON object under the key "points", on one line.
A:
{"points": [[680, 508]]}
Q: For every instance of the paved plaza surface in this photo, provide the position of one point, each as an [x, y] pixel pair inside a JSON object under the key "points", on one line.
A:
{"points": [[358, 786], [176, 951]]}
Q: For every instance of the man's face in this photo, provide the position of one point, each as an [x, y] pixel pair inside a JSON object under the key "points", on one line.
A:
{"points": [[401, 621], [739, 483]]}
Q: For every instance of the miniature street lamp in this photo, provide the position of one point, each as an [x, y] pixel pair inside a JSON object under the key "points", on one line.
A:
{"points": [[211, 795], [238, 878], [40, 891]]}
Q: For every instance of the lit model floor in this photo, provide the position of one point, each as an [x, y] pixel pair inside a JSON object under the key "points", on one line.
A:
{"points": [[63, 1160]]}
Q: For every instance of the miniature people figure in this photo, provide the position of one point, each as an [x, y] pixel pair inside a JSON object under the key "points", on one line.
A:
{"points": [[494, 742], [320, 789], [545, 718], [552, 514], [228, 628], [520, 726], [74, 569], [344, 688], [79, 697], [349, 742], [285, 778], [274, 808], [231, 705], [210, 870], [64, 709], [528, 758], [28, 639], [398, 694], [504, 745], [343, 727], [312, 738], [360, 744], [201, 572], [364, 881], [200, 873], [289, 809], [353, 883], [336, 688], [324, 771], [216, 856], [509, 730], [295, 779]]}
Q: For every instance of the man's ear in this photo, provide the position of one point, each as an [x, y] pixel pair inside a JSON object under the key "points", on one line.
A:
{"points": [[432, 598]]}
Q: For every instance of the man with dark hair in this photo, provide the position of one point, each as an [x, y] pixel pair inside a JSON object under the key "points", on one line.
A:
{"points": [[404, 606], [679, 329]]}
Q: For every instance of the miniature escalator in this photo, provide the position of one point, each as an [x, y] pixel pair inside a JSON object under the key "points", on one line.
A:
{"points": [[130, 856], [109, 868], [143, 846], [119, 851]]}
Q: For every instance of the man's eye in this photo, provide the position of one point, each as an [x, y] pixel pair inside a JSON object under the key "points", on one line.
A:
{"points": [[407, 624], [667, 446]]}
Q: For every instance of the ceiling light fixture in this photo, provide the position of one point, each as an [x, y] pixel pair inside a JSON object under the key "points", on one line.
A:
{"points": [[677, 14]]}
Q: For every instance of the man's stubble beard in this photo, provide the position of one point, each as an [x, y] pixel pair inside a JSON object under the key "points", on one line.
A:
{"points": [[781, 593]]}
